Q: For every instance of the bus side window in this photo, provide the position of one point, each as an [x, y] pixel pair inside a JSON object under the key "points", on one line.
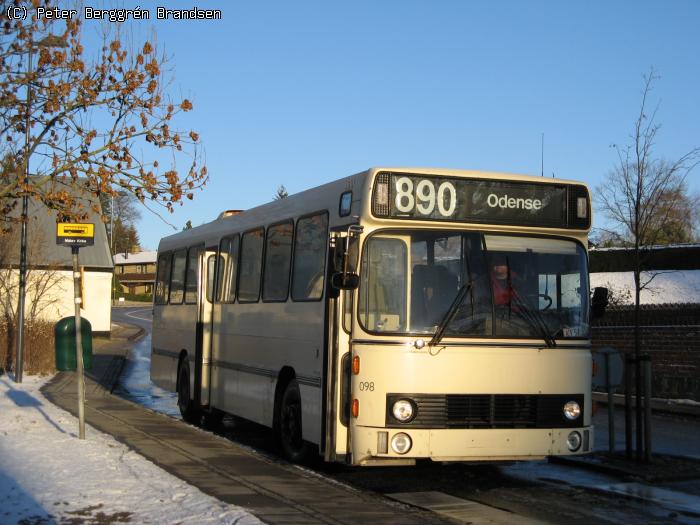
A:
{"points": [[251, 266], [177, 277], [230, 284], [308, 276], [223, 271], [211, 276], [347, 310], [192, 275], [278, 254], [163, 278]]}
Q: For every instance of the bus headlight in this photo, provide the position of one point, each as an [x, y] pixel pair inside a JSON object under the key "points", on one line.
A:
{"points": [[573, 441], [403, 410], [572, 410], [401, 443]]}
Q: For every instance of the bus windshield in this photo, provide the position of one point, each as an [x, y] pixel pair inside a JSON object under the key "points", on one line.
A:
{"points": [[511, 286]]}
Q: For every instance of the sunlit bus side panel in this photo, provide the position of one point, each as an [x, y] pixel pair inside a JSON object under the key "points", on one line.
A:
{"points": [[276, 326]]}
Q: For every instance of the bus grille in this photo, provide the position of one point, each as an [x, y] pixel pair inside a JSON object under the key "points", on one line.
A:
{"points": [[486, 411]]}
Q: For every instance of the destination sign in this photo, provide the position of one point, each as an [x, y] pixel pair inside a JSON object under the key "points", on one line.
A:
{"points": [[421, 197], [75, 234]]}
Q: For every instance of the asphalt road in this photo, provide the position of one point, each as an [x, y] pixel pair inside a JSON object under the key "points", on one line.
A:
{"points": [[140, 315]]}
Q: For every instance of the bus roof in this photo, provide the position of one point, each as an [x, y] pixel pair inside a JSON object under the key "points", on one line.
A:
{"points": [[321, 198]]}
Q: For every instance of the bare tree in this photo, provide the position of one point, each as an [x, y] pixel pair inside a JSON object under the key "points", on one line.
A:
{"points": [[44, 286], [123, 215], [98, 122], [639, 197], [675, 220], [126, 238], [125, 208]]}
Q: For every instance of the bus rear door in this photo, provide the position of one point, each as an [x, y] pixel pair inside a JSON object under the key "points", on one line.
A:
{"points": [[209, 263]]}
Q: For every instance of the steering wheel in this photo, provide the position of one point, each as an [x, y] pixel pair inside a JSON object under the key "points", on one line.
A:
{"points": [[546, 298]]}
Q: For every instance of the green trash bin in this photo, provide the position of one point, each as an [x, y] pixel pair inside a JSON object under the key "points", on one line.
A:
{"points": [[64, 333]]}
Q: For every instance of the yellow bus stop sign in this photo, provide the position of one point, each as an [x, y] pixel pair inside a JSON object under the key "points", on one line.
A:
{"points": [[75, 234]]}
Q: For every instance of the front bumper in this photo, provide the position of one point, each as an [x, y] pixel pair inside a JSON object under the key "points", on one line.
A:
{"points": [[468, 444]]}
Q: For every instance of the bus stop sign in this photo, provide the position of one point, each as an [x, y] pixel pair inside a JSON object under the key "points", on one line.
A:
{"points": [[74, 234]]}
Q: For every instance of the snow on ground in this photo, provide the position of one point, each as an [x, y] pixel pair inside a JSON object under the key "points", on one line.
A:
{"points": [[48, 475], [667, 286]]}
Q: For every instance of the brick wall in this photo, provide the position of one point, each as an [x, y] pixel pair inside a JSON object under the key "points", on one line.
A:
{"points": [[670, 334]]}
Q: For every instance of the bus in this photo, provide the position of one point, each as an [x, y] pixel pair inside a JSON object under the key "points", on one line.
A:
{"points": [[393, 315]]}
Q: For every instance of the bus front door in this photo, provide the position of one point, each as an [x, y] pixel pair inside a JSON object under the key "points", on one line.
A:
{"points": [[338, 378]]}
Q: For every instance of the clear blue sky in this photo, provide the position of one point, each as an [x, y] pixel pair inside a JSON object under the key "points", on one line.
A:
{"points": [[300, 93]]}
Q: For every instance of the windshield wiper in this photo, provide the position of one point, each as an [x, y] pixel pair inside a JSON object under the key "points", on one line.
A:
{"points": [[451, 312], [534, 318]]}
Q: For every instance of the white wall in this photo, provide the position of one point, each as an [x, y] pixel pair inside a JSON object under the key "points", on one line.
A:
{"points": [[57, 301]]}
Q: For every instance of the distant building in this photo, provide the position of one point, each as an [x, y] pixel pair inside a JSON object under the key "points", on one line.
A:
{"points": [[136, 272], [49, 293]]}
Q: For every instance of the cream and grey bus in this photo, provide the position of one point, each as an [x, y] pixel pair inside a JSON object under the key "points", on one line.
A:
{"points": [[389, 316]]}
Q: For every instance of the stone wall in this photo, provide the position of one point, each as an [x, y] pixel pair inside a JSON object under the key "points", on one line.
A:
{"points": [[670, 334]]}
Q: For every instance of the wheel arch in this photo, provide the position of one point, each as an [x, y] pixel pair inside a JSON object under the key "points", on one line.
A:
{"points": [[182, 356], [286, 374]]}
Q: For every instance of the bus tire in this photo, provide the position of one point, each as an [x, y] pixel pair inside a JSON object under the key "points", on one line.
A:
{"points": [[189, 412], [289, 431]]}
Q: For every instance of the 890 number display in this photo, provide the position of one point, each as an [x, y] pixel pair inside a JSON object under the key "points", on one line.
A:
{"points": [[424, 197]]}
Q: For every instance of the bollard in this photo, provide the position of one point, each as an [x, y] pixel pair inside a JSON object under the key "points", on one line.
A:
{"points": [[611, 405], [629, 361], [646, 362]]}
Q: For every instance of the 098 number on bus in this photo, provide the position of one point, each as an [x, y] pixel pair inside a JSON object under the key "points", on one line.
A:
{"points": [[423, 197]]}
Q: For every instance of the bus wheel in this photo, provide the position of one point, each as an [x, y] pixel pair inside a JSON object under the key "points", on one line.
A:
{"points": [[184, 401], [294, 448]]}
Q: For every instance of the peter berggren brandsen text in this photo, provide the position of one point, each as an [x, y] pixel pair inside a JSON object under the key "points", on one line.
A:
{"points": [[122, 15]]}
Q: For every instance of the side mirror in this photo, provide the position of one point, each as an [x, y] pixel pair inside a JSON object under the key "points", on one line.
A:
{"points": [[345, 281], [599, 302], [352, 253], [346, 260]]}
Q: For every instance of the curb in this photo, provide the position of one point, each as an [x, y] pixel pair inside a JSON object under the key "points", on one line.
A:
{"points": [[138, 335], [627, 474], [658, 405], [108, 379]]}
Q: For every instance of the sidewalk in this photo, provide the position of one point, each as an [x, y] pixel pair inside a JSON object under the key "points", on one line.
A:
{"points": [[274, 492], [671, 406], [662, 468]]}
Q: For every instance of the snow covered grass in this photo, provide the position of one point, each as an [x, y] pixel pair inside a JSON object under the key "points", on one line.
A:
{"points": [[48, 475]]}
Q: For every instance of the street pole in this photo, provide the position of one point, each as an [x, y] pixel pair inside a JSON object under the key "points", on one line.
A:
{"points": [[647, 408], [48, 41], [79, 345], [19, 354], [629, 361], [111, 245], [111, 240], [611, 405]]}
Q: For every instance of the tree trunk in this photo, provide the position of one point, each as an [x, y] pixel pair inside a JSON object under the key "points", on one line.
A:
{"points": [[637, 366]]}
